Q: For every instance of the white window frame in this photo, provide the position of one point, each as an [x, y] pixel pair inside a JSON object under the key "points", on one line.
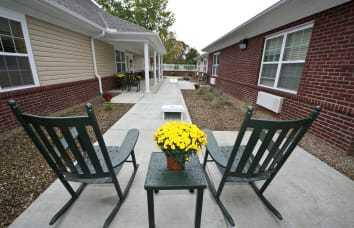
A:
{"points": [[124, 60], [283, 33], [217, 65], [12, 15]]}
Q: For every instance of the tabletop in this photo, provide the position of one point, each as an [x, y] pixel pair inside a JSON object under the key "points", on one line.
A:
{"points": [[159, 177]]}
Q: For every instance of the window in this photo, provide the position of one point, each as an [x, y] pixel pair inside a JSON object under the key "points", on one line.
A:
{"points": [[120, 61], [15, 66], [205, 65], [215, 66], [284, 58]]}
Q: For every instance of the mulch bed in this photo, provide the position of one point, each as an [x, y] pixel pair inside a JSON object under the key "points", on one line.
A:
{"points": [[24, 173], [218, 111]]}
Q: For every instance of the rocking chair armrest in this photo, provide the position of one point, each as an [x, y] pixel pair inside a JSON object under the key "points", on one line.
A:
{"points": [[214, 150]]}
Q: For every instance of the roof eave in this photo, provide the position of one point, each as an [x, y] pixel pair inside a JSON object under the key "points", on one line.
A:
{"points": [[156, 38], [151, 37], [286, 11]]}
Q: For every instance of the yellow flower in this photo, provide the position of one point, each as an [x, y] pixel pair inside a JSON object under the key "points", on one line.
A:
{"points": [[180, 136]]}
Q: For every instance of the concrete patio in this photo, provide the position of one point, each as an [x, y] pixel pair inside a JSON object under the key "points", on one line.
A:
{"points": [[308, 192], [133, 96]]}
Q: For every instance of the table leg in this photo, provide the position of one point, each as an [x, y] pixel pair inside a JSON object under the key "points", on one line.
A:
{"points": [[199, 207], [150, 199]]}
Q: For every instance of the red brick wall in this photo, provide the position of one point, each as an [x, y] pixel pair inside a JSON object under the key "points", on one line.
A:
{"points": [[328, 77], [47, 99]]}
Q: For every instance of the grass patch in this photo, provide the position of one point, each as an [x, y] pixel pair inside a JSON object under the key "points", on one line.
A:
{"points": [[214, 96]]}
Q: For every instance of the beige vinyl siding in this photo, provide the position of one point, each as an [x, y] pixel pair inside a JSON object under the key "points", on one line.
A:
{"points": [[60, 55], [104, 58]]}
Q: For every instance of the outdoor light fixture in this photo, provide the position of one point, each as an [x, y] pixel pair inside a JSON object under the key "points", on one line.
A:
{"points": [[243, 44]]}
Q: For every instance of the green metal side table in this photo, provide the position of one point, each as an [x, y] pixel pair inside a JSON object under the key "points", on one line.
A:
{"points": [[160, 178]]}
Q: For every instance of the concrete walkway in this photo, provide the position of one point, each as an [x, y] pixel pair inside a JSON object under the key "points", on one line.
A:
{"points": [[307, 191]]}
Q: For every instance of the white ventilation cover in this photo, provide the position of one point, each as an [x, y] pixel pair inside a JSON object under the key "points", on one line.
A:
{"points": [[270, 101]]}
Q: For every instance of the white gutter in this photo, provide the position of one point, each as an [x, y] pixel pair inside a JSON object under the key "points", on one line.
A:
{"points": [[94, 60]]}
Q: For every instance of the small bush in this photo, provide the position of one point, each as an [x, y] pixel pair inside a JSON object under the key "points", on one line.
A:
{"points": [[108, 106], [209, 95], [201, 91]]}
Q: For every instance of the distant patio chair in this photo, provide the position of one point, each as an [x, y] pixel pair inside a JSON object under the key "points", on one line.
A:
{"points": [[65, 144], [203, 78], [265, 152], [133, 81]]}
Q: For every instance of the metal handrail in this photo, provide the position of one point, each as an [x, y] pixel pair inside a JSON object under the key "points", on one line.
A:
{"points": [[179, 67]]}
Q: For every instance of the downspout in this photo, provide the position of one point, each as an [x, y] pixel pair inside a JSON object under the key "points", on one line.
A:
{"points": [[94, 60]]}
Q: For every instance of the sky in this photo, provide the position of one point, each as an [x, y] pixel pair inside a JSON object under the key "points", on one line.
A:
{"points": [[200, 22]]}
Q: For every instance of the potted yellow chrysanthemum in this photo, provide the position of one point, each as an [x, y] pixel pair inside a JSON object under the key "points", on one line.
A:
{"points": [[179, 140]]}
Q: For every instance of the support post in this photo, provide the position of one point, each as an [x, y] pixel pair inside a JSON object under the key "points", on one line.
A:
{"points": [[155, 68], [146, 67], [159, 67]]}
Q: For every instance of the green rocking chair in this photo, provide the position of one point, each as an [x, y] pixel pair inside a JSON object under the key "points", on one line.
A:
{"points": [[265, 152], [65, 144]]}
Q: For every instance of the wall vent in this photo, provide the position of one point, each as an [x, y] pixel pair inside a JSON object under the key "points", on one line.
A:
{"points": [[270, 101]]}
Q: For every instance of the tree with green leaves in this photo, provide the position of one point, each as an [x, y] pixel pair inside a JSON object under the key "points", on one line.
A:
{"points": [[191, 56], [154, 16], [151, 14], [176, 50]]}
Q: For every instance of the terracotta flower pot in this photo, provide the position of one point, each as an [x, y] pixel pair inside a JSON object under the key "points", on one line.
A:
{"points": [[173, 164]]}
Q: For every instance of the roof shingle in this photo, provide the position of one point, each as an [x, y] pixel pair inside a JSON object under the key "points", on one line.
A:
{"points": [[93, 13]]}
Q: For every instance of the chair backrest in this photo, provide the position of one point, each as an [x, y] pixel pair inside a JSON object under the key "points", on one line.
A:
{"points": [[65, 143], [268, 146]]}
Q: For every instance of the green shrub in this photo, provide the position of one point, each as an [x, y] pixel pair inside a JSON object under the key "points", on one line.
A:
{"points": [[201, 91], [108, 106], [209, 96]]}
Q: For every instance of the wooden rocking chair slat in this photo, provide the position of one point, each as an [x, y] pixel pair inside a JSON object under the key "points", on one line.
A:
{"points": [[87, 146], [250, 163], [265, 144], [273, 149], [67, 148], [279, 154], [50, 149], [248, 150], [73, 147], [59, 147]]}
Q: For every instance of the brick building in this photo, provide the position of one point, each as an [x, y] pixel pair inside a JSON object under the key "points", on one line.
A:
{"points": [[291, 57]]}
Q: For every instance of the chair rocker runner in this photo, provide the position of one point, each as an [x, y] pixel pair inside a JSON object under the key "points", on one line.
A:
{"points": [[265, 152], [66, 146]]}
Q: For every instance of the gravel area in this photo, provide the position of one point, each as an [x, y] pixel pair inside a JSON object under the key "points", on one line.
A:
{"points": [[218, 111], [24, 173]]}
